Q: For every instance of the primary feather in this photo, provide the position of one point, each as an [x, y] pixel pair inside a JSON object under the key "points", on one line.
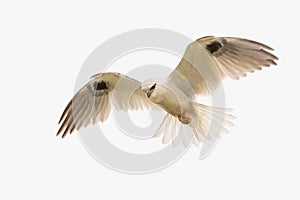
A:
{"points": [[205, 63]]}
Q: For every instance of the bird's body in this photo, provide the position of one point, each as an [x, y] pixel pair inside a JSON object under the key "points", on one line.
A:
{"points": [[171, 98], [205, 63]]}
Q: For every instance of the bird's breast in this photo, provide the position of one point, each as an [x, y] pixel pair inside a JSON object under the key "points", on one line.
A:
{"points": [[172, 102]]}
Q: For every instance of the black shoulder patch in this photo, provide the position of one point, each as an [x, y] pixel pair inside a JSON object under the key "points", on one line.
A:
{"points": [[214, 46], [101, 85]]}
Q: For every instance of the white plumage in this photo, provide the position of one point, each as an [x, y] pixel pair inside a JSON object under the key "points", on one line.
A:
{"points": [[205, 63]]}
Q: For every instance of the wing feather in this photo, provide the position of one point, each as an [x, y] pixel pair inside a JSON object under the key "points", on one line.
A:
{"points": [[210, 59], [92, 103]]}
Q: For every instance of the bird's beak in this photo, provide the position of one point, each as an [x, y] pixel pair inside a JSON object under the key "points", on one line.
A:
{"points": [[149, 94]]}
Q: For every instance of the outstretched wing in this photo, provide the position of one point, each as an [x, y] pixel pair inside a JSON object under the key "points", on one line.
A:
{"points": [[92, 103], [208, 60]]}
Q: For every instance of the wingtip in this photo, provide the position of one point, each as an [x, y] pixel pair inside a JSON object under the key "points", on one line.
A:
{"points": [[59, 131], [61, 118], [65, 111], [64, 134]]}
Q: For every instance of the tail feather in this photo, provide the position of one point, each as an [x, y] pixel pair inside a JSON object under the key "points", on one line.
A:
{"points": [[211, 121], [208, 123]]}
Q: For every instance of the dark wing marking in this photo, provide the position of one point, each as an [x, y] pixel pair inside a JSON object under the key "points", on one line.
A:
{"points": [[213, 46], [236, 56], [100, 85], [208, 60], [92, 103]]}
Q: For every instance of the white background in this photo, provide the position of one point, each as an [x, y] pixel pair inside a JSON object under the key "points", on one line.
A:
{"points": [[42, 47]]}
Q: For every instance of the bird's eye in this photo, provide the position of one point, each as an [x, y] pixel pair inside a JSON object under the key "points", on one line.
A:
{"points": [[153, 86]]}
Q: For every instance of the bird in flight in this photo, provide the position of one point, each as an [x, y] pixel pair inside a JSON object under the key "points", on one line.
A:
{"points": [[205, 63]]}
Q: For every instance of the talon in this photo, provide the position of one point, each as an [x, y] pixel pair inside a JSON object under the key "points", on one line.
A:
{"points": [[185, 118], [179, 118]]}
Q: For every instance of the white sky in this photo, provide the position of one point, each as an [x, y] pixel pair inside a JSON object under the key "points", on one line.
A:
{"points": [[42, 47]]}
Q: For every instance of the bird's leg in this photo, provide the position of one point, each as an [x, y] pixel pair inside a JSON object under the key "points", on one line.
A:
{"points": [[184, 118]]}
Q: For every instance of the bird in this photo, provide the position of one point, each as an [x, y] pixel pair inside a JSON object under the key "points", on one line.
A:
{"points": [[205, 63]]}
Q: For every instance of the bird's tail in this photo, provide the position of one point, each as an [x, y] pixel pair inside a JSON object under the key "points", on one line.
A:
{"points": [[169, 128], [208, 123]]}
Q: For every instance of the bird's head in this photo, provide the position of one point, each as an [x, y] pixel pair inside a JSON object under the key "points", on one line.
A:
{"points": [[153, 91], [149, 88], [155, 88]]}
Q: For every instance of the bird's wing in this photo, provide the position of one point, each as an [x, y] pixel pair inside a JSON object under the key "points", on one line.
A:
{"points": [[92, 103], [208, 60]]}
